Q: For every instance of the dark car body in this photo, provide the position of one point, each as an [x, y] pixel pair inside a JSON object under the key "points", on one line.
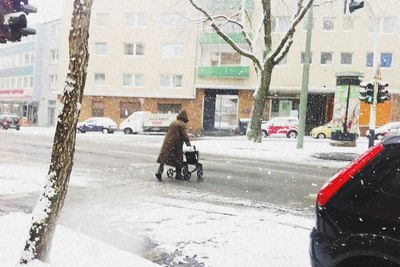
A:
{"points": [[358, 223], [97, 124], [8, 121]]}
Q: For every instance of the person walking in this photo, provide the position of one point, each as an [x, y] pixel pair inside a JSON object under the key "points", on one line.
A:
{"points": [[171, 150]]}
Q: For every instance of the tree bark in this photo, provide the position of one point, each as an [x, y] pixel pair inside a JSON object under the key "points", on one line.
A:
{"points": [[260, 97], [51, 201]]}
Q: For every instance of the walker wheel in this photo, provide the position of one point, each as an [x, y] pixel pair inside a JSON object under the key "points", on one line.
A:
{"points": [[200, 174], [170, 173]]}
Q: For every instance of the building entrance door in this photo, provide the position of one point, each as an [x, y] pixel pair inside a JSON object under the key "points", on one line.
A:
{"points": [[220, 114]]}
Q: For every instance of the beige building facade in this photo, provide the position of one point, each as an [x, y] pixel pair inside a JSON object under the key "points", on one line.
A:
{"points": [[146, 55]]}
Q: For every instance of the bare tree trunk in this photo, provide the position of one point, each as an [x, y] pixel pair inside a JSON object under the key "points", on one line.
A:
{"points": [[257, 110], [47, 210]]}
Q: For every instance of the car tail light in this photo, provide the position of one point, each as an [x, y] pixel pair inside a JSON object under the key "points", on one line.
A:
{"points": [[344, 175]]}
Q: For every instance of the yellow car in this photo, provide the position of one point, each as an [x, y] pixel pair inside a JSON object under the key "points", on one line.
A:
{"points": [[323, 131]]}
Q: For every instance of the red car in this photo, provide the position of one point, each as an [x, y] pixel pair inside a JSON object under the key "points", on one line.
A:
{"points": [[284, 126], [10, 121]]}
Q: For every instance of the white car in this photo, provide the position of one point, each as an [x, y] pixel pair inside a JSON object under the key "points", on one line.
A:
{"points": [[97, 124], [385, 129]]}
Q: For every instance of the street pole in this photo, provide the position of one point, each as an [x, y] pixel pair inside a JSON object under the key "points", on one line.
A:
{"points": [[376, 71], [306, 78]]}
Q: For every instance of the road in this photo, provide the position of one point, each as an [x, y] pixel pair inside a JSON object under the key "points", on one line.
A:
{"points": [[121, 170]]}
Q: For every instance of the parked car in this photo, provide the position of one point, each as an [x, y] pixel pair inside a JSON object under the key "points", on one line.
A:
{"points": [[286, 126], [145, 121], [97, 124], [357, 214], [323, 131], [8, 121], [244, 123], [385, 129]]}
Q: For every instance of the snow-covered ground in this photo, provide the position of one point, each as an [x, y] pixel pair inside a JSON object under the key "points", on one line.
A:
{"points": [[272, 148], [69, 248], [181, 224]]}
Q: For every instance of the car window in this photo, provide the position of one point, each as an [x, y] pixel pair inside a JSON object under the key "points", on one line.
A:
{"points": [[279, 123]]}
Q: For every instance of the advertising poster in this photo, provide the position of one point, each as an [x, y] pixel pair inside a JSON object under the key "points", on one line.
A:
{"points": [[346, 98]]}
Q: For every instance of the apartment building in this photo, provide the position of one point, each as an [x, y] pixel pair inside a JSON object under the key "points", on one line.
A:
{"points": [[16, 79], [148, 56], [28, 76], [46, 73], [142, 57]]}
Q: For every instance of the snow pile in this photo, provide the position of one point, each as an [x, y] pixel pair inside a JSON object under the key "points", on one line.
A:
{"points": [[69, 248], [15, 179]]}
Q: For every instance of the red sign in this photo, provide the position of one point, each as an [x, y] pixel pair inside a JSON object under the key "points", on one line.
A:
{"points": [[14, 94]]}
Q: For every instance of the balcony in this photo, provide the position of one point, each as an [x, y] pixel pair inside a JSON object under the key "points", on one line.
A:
{"points": [[235, 72], [214, 38], [226, 5]]}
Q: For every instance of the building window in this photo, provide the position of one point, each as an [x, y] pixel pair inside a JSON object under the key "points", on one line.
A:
{"points": [[382, 24], [328, 24], [326, 58], [170, 81], [172, 21], [346, 58], [102, 19], [53, 56], [97, 109], [172, 50], [370, 59], [12, 81], [101, 48], [134, 49], [53, 81], [25, 82], [169, 108], [27, 59], [31, 81], [54, 31], [303, 58], [385, 60], [136, 20], [280, 24], [224, 59], [99, 78], [348, 24], [127, 108], [135, 80]]}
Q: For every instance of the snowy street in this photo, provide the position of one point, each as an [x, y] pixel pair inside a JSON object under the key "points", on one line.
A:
{"points": [[249, 206]]}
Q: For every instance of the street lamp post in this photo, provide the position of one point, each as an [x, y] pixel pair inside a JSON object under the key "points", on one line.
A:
{"points": [[306, 78]]}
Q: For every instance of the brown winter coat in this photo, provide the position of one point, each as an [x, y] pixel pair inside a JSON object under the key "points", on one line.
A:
{"points": [[171, 150]]}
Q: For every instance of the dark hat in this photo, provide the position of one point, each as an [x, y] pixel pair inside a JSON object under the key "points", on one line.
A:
{"points": [[182, 116]]}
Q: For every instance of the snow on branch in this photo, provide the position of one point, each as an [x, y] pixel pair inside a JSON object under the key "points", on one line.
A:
{"points": [[224, 36], [283, 47]]}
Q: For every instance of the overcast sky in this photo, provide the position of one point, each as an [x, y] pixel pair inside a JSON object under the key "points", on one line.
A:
{"points": [[47, 10]]}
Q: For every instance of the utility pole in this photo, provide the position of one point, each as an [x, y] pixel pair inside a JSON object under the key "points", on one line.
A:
{"points": [[306, 78]]}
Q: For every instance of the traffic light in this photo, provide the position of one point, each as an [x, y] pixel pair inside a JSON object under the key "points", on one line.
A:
{"points": [[13, 20], [354, 5], [383, 93], [367, 93]]}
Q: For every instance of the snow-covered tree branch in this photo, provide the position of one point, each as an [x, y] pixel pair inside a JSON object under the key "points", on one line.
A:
{"points": [[262, 53]]}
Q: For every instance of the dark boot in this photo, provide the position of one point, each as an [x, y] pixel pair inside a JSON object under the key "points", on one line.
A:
{"points": [[178, 174], [159, 172]]}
